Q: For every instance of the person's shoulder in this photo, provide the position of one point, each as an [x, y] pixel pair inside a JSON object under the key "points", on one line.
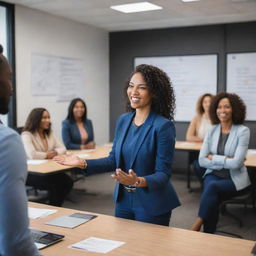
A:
{"points": [[8, 135], [242, 128], [213, 128], [6, 132], [124, 116], [161, 121], [88, 121], [66, 122], [27, 133]]}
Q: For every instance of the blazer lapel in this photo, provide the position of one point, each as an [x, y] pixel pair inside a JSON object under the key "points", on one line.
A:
{"points": [[215, 140], [121, 137], [143, 133], [231, 137]]}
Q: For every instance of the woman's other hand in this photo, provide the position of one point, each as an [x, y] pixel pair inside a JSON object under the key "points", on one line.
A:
{"points": [[125, 178], [71, 160]]}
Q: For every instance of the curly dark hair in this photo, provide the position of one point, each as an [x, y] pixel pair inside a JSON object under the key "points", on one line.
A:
{"points": [[237, 104], [159, 84], [33, 121], [199, 104], [72, 104]]}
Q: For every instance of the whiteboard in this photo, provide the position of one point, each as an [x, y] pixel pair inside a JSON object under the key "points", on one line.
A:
{"points": [[57, 76], [191, 77], [241, 79]]}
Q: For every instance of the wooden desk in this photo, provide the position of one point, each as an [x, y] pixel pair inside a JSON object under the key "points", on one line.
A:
{"points": [[51, 167], [192, 148], [140, 238], [250, 158]]}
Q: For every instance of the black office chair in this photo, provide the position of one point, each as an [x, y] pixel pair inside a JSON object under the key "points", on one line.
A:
{"points": [[244, 198]]}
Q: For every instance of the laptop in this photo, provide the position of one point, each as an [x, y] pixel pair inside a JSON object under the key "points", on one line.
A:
{"points": [[43, 239]]}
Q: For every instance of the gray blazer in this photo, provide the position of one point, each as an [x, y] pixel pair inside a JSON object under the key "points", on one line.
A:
{"points": [[236, 147]]}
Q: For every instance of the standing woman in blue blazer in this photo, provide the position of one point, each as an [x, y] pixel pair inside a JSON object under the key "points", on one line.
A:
{"points": [[222, 154], [142, 153], [77, 130]]}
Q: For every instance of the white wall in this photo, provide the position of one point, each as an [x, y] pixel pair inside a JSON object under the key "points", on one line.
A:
{"points": [[39, 32]]}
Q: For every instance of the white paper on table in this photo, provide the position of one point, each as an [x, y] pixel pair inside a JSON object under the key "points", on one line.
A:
{"points": [[82, 155], [94, 244], [34, 213], [88, 150], [108, 144], [36, 161], [251, 151]]}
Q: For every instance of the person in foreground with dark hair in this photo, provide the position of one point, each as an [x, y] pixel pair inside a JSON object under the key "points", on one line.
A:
{"points": [[15, 238], [142, 153], [222, 154], [40, 143], [77, 130]]}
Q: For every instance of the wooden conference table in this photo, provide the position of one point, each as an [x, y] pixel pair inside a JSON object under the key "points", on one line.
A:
{"points": [[50, 167], [193, 149], [141, 239]]}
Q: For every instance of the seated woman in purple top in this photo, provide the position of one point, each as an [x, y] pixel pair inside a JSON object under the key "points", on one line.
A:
{"points": [[77, 130]]}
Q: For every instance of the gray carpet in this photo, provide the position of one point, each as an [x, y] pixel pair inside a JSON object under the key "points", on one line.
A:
{"points": [[94, 194]]}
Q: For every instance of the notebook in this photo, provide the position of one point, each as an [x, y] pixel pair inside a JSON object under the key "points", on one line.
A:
{"points": [[71, 221], [43, 239]]}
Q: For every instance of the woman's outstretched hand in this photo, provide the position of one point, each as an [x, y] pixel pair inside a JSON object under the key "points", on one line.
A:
{"points": [[71, 160]]}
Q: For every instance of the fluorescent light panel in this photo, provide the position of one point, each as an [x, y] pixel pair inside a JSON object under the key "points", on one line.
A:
{"points": [[186, 1], [136, 7]]}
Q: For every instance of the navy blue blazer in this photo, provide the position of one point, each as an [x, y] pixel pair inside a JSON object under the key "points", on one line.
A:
{"points": [[152, 159], [71, 135]]}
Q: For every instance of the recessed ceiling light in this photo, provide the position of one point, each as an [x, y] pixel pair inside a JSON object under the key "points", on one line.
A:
{"points": [[136, 7], [186, 1]]}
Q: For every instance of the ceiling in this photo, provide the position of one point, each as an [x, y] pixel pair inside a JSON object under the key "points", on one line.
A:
{"points": [[175, 13]]}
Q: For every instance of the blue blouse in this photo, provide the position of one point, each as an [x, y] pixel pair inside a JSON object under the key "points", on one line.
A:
{"points": [[71, 135], [130, 142]]}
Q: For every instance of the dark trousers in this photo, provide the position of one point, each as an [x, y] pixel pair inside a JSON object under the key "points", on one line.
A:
{"points": [[215, 190], [58, 185], [199, 171], [129, 207]]}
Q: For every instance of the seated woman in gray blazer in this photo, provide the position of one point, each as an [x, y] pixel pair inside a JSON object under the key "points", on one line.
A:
{"points": [[222, 154], [40, 143], [77, 130]]}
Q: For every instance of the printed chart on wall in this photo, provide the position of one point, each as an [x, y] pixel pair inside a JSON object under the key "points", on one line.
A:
{"points": [[57, 76], [241, 79], [191, 77]]}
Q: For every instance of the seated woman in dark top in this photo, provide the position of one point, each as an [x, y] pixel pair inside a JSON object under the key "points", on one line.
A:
{"points": [[77, 130], [223, 154]]}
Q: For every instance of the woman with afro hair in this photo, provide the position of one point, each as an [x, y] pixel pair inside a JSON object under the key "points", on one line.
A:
{"points": [[142, 153]]}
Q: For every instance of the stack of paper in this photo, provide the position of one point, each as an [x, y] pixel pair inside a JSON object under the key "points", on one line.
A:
{"points": [[35, 213], [94, 244]]}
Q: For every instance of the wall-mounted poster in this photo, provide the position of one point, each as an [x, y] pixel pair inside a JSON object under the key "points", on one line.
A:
{"points": [[57, 76], [241, 79]]}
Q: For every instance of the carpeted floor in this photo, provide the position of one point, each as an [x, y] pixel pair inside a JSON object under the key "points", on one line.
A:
{"points": [[94, 194]]}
